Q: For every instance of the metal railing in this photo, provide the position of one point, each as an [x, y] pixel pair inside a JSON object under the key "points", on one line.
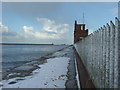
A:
{"points": [[100, 53]]}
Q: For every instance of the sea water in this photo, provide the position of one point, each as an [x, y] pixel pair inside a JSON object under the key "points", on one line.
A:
{"points": [[16, 55]]}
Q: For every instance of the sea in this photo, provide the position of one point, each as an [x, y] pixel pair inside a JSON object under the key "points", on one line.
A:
{"points": [[17, 55]]}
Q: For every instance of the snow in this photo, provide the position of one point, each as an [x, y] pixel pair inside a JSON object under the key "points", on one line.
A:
{"points": [[52, 74], [77, 76]]}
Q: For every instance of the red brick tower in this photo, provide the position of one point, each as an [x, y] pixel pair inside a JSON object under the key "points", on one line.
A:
{"points": [[79, 32]]}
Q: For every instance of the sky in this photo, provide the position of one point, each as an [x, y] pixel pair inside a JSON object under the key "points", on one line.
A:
{"points": [[52, 22]]}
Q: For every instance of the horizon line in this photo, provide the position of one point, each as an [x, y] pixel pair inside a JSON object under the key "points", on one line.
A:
{"points": [[29, 44]]}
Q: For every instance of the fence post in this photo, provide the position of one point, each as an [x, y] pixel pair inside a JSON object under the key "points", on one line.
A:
{"points": [[95, 59], [112, 53], [102, 73], [92, 55], [103, 51], [107, 54], [91, 35], [117, 55], [100, 58], [104, 57]]}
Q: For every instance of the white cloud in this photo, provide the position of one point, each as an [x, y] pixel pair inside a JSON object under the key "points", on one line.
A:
{"points": [[3, 28], [5, 31], [90, 31], [27, 29], [51, 26], [51, 32], [46, 21]]}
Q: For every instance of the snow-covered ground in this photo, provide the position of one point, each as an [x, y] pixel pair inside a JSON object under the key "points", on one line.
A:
{"points": [[52, 74]]}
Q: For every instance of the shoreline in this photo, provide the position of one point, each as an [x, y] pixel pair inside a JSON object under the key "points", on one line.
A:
{"points": [[27, 44], [63, 53], [33, 64]]}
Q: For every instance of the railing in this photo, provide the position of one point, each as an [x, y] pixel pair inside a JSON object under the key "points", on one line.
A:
{"points": [[100, 53]]}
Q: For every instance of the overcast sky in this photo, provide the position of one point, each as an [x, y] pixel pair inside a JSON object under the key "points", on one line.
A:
{"points": [[53, 22]]}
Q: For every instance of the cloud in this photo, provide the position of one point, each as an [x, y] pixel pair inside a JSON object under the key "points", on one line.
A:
{"points": [[51, 26], [27, 29], [51, 32], [90, 31], [3, 28]]}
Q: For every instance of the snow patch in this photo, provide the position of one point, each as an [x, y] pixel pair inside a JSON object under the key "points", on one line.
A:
{"points": [[77, 77], [52, 74]]}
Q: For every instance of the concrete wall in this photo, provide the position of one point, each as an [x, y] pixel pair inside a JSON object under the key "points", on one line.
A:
{"points": [[100, 53]]}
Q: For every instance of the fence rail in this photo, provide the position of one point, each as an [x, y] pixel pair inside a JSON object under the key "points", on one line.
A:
{"points": [[100, 53]]}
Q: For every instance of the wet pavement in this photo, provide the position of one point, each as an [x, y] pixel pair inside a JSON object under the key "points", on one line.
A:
{"points": [[71, 82]]}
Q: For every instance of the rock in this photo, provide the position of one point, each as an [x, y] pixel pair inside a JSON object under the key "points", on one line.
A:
{"points": [[55, 85], [13, 82]]}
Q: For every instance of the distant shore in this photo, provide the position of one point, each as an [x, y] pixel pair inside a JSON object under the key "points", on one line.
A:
{"points": [[27, 44], [22, 44]]}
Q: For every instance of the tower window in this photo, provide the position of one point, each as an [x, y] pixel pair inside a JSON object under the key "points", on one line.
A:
{"points": [[81, 27]]}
